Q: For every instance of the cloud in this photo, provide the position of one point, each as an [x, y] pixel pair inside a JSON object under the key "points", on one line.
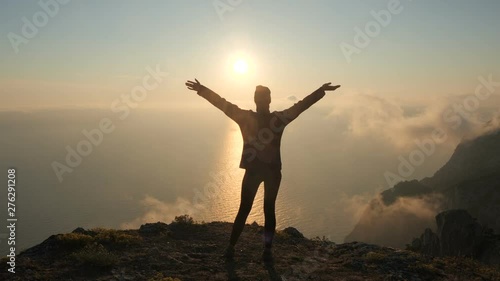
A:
{"points": [[491, 124], [354, 206], [396, 224], [424, 207], [157, 210], [403, 122]]}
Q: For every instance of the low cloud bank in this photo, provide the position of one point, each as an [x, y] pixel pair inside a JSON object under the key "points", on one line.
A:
{"points": [[156, 210], [402, 122]]}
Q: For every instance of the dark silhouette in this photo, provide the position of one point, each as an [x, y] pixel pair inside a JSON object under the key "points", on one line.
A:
{"points": [[261, 157]]}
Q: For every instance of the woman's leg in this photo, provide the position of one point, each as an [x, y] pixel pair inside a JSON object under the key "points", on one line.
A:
{"points": [[271, 186], [249, 187]]}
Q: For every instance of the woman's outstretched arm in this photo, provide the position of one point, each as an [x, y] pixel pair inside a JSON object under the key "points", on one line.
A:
{"points": [[295, 110], [231, 110]]}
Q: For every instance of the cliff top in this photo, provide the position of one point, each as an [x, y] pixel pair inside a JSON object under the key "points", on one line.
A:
{"points": [[184, 250]]}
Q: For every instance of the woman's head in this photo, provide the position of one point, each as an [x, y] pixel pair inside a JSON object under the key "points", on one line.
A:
{"points": [[262, 96]]}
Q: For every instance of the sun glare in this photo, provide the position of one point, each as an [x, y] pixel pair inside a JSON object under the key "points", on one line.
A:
{"points": [[240, 66]]}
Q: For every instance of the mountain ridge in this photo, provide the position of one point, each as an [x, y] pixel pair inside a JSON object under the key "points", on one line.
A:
{"points": [[470, 180]]}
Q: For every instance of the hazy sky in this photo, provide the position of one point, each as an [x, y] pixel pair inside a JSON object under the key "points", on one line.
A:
{"points": [[91, 52]]}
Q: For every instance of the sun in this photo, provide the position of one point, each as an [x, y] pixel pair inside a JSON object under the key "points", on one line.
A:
{"points": [[240, 66]]}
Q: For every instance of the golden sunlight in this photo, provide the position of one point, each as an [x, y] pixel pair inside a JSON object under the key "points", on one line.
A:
{"points": [[240, 66]]}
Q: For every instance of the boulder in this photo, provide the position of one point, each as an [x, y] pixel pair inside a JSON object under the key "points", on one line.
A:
{"points": [[459, 234], [153, 228], [293, 232], [428, 243]]}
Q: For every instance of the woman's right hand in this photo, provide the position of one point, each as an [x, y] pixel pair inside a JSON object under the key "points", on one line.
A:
{"points": [[194, 86]]}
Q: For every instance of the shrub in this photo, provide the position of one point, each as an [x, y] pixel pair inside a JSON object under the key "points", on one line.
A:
{"points": [[114, 237], [374, 257], [425, 268], [184, 219], [72, 241], [95, 255]]}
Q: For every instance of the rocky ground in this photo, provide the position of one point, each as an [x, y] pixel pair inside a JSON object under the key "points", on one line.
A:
{"points": [[184, 250]]}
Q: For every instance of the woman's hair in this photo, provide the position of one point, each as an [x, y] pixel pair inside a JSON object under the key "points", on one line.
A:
{"points": [[262, 94]]}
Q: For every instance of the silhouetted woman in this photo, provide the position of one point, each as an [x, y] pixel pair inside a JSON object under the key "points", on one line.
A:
{"points": [[261, 157]]}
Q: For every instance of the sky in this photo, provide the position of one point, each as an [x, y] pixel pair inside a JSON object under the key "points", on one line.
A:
{"points": [[91, 52]]}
